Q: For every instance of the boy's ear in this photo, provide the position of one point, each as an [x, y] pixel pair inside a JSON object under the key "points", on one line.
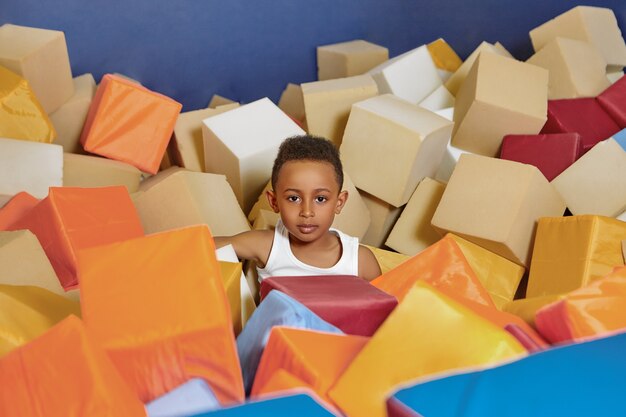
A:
{"points": [[341, 201], [271, 198]]}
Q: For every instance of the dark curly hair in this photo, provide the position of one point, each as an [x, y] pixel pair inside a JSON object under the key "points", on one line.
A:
{"points": [[307, 148]]}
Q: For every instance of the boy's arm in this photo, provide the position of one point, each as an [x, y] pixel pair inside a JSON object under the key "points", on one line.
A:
{"points": [[368, 265], [252, 245]]}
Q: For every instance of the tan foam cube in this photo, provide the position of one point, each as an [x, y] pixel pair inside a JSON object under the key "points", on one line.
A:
{"points": [[614, 76], [346, 59], [411, 76], [186, 146], [577, 69], [500, 96], [30, 166], [390, 145], [69, 119], [265, 220], [458, 77], [40, 56], [596, 182], [413, 232], [596, 25], [217, 101], [94, 171], [327, 104], [242, 144], [383, 217], [438, 99], [23, 262], [177, 198], [495, 203], [292, 103]]}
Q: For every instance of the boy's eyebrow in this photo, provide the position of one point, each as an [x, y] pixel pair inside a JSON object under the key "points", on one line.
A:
{"points": [[298, 191]]}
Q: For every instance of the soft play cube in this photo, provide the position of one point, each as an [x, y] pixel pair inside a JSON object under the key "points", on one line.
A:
{"points": [[577, 68], [439, 99], [327, 104], [129, 123], [15, 208], [613, 101], [495, 203], [93, 171], [303, 403], [277, 309], [315, 358], [218, 101], [445, 59], [181, 324], [596, 183], [387, 259], [596, 25], [69, 119], [231, 278], [327, 296], [404, 142], [383, 217], [565, 116], [265, 220], [428, 333], [29, 166], [347, 59], [40, 56], [441, 265], [526, 308], [550, 153], [571, 252], [70, 219], [578, 380], [178, 197], [411, 76], [242, 144], [413, 232], [192, 397], [186, 144], [292, 103], [484, 111], [451, 155], [64, 372]]}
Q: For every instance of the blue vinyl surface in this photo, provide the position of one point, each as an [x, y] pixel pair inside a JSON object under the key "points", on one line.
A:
{"points": [[301, 405]]}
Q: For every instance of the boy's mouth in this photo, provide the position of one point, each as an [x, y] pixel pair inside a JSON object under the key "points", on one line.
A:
{"points": [[307, 228]]}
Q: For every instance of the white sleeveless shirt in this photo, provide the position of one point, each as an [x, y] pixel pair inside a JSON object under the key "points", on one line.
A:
{"points": [[282, 262]]}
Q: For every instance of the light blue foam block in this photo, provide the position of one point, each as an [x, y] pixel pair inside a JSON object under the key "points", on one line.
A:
{"points": [[620, 138], [193, 397]]}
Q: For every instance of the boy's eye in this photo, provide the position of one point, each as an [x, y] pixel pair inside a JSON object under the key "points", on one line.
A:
{"points": [[320, 199], [293, 198]]}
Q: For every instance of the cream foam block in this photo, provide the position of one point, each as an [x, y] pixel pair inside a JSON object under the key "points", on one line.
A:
{"points": [[40, 56], [346, 59], [495, 203], [390, 145], [413, 232], [411, 76], [68, 120], [94, 171], [292, 102], [438, 99], [596, 182], [383, 216], [242, 144], [218, 101], [577, 69], [327, 104], [177, 198], [30, 166], [596, 25], [485, 110]]}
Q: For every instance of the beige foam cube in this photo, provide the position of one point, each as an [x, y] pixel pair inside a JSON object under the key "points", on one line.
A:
{"points": [[265, 220], [292, 103], [217, 101], [390, 145], [30, 166], [413, 232], [94, 171], [411, 76], [177, 198], [500, 96], [68, 120], [624, 249], [577, 69], [438, 99], [495, 203], [40, 56], [327, 104], [186, 146], [458, 77], [596, 25], [23, 262], [614, 76], [596, 182], [346, 59], [242, 144], [383, 217]]}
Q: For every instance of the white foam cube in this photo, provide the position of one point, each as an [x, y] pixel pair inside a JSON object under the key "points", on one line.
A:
{"points": [[438, 99]]}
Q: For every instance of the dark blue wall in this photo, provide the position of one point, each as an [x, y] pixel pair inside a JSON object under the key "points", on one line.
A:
{"points": [[248, 49]]}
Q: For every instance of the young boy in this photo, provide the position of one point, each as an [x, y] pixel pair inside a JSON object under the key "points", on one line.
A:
{"points": [[307, 178]]}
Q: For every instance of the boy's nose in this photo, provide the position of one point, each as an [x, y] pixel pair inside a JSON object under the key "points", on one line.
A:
{"points": [[307, 211]]}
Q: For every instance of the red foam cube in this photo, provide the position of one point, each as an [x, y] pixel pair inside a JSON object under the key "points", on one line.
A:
{"points": [[552, 153], [348, 302], [613, 101]]}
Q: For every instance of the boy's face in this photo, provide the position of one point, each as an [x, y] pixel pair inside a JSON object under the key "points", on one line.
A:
{"points": [[307, 196]]}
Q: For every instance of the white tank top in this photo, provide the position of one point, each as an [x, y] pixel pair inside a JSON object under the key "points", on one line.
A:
{"points": [[282, 262]]}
